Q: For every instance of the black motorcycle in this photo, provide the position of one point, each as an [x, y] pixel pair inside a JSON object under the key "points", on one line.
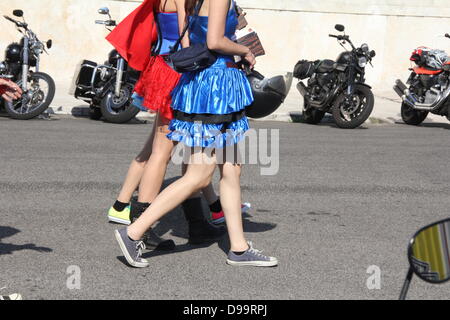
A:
{"points": [[107, 88], [429, 255], [337, 87], [38, 87]]}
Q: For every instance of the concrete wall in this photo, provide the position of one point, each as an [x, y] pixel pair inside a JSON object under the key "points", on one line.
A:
{"points": [[289, 29]]}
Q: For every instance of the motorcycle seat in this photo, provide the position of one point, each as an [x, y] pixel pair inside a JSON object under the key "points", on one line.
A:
{"points": [[326, 66]]}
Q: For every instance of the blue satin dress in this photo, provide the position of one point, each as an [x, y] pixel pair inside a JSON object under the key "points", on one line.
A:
{"points": [[218, 90]]}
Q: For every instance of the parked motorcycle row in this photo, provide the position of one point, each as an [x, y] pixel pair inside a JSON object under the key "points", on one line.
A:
{"points": [[107, 88], [335, 87]]}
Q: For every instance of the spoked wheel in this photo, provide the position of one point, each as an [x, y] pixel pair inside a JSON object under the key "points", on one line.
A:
{"points": [[350, 112], [412, 117], [34, 101], [119, 109], [312, 115]]}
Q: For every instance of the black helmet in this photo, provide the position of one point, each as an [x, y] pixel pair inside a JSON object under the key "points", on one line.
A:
{"points": [[269, 94], [13, 53]]}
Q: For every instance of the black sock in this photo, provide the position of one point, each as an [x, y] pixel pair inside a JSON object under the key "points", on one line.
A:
{"points": [[120, 206], [240, 253], [216, 206]]}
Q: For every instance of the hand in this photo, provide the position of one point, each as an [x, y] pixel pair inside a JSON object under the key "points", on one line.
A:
{"points": [[9, 90], [250, 59]]}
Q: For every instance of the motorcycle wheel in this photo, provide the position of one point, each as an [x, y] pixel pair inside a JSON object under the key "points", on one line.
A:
{"points": [[95, 113], [118, 109], [351, 112], [412, 117], [38, 97], [311, 115]]}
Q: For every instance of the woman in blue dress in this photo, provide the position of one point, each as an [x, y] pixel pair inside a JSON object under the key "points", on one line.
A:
{"points": [[209, 116]]}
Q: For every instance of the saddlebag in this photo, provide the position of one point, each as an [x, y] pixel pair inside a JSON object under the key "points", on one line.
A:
{"points": [[304, 69], [81, 83]]}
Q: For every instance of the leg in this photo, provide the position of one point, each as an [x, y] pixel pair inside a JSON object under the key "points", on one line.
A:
{"points": [[230, 197], [136, 170], [120, 211], [242, 252], [156, 167], [197, 177]]}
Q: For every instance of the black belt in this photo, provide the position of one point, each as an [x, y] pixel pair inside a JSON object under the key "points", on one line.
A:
{"points": [[209, 118]]}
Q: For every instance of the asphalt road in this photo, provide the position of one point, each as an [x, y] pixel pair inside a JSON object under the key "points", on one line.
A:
{"points": [[341, 202]]}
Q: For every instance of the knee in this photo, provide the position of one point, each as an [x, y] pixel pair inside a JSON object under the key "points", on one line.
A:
{"points": [[162, 158], [141, 161], [231, 173], [198, 182]]}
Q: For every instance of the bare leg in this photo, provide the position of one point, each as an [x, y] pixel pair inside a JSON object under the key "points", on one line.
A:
{"points": [[156, 167], [136, 169], [198, 176], [209, 193], [230, 198]]}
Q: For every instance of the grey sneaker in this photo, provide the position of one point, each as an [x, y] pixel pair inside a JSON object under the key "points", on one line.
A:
{"points": [[132, 250], [251, 258]]}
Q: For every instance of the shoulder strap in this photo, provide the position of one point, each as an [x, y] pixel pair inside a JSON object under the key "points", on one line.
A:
{"points": [[156, 50], [188, 25]]}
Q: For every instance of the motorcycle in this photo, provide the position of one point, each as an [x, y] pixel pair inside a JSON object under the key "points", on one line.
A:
{"points": [[107, 88], [337, 87], [38, 87], [429, 255], [428, 87]]}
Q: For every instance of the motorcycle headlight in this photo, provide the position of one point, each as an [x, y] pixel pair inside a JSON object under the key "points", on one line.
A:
{"points": [[38, 48], [362, 62]]}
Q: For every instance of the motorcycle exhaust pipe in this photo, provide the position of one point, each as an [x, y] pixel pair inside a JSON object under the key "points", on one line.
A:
{"points": [[302, 89], [403, 91]]}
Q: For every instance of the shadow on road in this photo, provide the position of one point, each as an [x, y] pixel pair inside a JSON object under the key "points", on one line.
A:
{"points": [[436, 125], [175, 224], [9, 248]]}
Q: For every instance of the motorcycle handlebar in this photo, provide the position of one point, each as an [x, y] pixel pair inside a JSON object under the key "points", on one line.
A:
{"points": [[100, 22], [447, 35], [17, 23], [346, 38]]}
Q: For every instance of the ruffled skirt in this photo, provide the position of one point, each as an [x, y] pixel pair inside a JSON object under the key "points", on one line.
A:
{"points": [[154, 88], [217, 90]]}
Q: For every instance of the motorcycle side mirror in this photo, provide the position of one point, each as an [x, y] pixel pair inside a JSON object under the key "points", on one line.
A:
{"points": [[428, 255], [49, 44], [447, 35], [429, 252], [18, 13], [103, 10], [339, 27], [372, 54]]}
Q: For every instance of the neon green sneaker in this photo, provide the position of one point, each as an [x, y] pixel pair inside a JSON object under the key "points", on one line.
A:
{"points": [[121, 217]]}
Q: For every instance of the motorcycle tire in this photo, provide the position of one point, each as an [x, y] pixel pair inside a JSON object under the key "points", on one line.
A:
{"points": [[9, 106], [118, 109], [361, 117], [95, 113], [412, 117], [311, 115]]}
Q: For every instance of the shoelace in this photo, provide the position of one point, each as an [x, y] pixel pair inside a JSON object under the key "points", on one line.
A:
{"points": [[139, 247], [256, 252]]}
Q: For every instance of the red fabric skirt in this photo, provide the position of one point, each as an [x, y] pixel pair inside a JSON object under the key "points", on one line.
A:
{"points": [[156, 84]]}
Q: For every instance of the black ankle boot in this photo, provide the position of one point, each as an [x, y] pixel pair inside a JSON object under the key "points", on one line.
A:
{"points": [[200, 230], [151, 239]]}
